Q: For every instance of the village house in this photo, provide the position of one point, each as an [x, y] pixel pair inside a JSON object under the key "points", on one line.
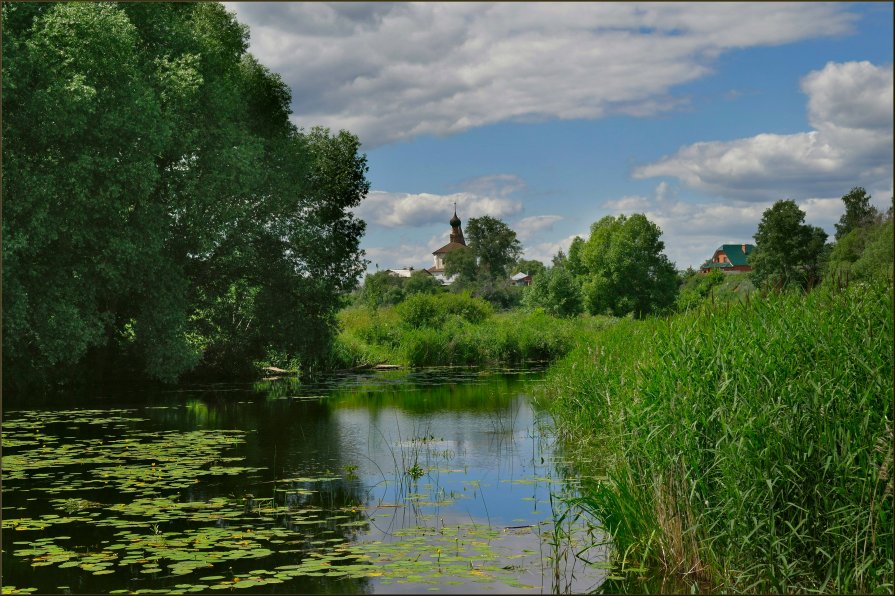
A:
{"points": [[521, 279], [405, 272], [729, 258], [457, 242]]}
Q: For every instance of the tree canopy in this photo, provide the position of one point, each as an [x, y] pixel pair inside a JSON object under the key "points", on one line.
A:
{"points": [[494, 245], [625, 270], [787, 251], [859, 212], [160, 209], [555, 290]]}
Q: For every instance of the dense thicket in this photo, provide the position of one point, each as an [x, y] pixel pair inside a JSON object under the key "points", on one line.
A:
{"points": [[160, 209], [748, 445]]}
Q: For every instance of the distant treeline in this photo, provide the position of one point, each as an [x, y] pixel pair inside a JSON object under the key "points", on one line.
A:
{"points": [[621, 268], [161, 213]]}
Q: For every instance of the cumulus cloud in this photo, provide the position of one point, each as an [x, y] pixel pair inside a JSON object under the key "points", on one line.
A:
{"points": [[545, 251], [394, 71], [399, 257], [529, 227], [397, 209], [850, 107]]}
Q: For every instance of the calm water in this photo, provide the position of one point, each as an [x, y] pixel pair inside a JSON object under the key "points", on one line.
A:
{"points": [[443, 480]]}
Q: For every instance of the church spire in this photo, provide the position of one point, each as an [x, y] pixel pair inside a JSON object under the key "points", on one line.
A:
{"points": [[456, 231]]}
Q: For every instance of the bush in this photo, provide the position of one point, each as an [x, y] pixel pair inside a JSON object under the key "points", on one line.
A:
{"points": [[426, 310], [556, 291]]}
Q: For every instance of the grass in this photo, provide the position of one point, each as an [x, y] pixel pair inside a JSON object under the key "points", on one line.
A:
{"points": [[746, 447], [392, 335]]}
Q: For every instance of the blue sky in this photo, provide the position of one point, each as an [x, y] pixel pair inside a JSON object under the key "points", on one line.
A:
{"points": [[553, 115]]}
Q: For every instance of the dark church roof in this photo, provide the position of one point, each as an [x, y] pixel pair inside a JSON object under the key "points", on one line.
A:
{"points": [[450, 246]]}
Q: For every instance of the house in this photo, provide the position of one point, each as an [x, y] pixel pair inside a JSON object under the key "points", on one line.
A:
{"points": [[521, 279], [406, 272], [729, 258], [457, 242]]}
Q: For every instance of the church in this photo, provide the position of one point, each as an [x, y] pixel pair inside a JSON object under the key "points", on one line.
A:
{"points": [[457, 242]]}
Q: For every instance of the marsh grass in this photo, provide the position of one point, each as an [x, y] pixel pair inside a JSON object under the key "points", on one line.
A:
{"points": [[387, 336], [747, 447]]}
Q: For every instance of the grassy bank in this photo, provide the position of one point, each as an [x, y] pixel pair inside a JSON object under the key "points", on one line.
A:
{"points": [[747, 447], [454, 330]]}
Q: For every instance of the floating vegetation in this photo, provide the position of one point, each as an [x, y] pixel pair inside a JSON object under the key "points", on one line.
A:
{"points": [[173, 499]]}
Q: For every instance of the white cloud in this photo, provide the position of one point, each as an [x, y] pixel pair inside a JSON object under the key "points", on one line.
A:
{"points": [[628, 204], [850, 107], [545, 251], [393, 71], [529, 227], [398, 257], [396, 209]]}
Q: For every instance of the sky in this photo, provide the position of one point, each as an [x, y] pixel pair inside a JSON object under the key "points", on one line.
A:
{"points": [[551, 116]]}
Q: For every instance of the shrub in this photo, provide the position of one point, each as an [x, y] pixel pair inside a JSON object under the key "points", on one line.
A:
{"points": [[426, 310]]}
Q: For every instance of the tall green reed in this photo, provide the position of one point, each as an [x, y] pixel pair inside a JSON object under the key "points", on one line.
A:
{"points": [[747, 447]]}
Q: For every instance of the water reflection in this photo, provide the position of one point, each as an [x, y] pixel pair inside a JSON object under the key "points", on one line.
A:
{"points": [[394, 481]]}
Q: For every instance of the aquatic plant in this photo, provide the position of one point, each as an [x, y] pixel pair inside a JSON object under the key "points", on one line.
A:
{"points": [[746, 447]]}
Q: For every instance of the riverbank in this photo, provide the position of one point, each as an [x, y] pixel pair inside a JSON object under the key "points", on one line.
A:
{"points": [[451, 329], [746, 447]]}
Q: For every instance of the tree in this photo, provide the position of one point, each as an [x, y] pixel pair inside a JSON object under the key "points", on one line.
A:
{"points": [[160, 208], [574, 261], [421, 282], [864, 252], [494, 245], [625, 270], [787, 251], [859, 212], [464, 265], [555, 290]]}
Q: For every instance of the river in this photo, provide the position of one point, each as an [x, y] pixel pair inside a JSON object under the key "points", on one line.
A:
{"points": [[439, 480]]}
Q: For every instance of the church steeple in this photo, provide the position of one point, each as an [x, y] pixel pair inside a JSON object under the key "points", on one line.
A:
{"points": [[456, 231]]}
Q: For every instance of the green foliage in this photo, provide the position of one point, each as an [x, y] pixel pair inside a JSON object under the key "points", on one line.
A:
{"points": [[864, 253], [626, 271], [556, 291], [787, 251], [859, 212], [385, 289], [751, 444], [421, 282], [464, 265], [697, 287], [452, 329], [530, 267], [494, 244], [575, 261], [426, 310], [381, 288], [499, 292], [151, 171]]}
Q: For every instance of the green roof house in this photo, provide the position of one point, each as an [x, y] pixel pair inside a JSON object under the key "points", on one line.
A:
{"points": [[728, 258]]}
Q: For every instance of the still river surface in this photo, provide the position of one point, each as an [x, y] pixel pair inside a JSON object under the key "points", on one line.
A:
{"points": [[441, 480]]}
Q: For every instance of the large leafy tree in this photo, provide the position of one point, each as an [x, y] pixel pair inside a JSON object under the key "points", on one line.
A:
{"points": [[859, 212], [159, 208], [787, 251], [494, 245], [625, 270]]}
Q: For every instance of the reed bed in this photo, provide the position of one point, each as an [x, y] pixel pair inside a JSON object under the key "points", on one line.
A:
{"points": [[394, 336], [745, 448]]}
